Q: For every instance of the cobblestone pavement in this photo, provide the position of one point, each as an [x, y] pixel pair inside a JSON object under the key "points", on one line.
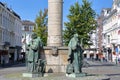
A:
{"points": [[104, 68], [110, 69], [10, 70]]}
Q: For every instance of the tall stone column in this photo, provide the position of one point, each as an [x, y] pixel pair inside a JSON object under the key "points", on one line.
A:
{"points": [[55, 14]]}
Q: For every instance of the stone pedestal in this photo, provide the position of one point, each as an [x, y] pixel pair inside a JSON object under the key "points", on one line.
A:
{"points": [[55, 62], [74, 75], [32, 75]]}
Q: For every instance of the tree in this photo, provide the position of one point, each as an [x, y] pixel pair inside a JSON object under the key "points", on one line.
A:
{"points": [[41, 25], [81, 20]]}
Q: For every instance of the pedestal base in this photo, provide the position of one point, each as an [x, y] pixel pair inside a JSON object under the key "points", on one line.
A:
{"points": [[32, 75], [76, 75]]}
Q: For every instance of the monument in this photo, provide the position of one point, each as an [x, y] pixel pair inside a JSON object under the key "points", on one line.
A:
{"points": [[55, 14], [35, 65], [75, 58]]}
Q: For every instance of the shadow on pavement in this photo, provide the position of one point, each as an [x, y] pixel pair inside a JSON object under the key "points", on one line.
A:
{"points": [[12, 65], [113, 74], [101, 65]]}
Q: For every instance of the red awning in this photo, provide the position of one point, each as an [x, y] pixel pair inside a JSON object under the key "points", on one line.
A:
{"points": [[3, 52], [118, 32]]}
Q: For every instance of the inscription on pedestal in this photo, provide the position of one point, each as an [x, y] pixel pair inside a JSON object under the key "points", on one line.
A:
{"points": [[54, 40]]}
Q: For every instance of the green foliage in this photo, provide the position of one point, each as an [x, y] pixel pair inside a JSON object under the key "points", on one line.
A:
{"points": [[41, 25], [81, 20]]}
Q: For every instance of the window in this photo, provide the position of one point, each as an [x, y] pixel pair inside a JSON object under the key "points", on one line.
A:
{"points": [[108, 38], [26, 28], [31, 28], [0, 19]]}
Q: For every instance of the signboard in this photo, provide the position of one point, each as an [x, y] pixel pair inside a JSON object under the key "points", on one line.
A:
{"points": [[117, 50]]}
